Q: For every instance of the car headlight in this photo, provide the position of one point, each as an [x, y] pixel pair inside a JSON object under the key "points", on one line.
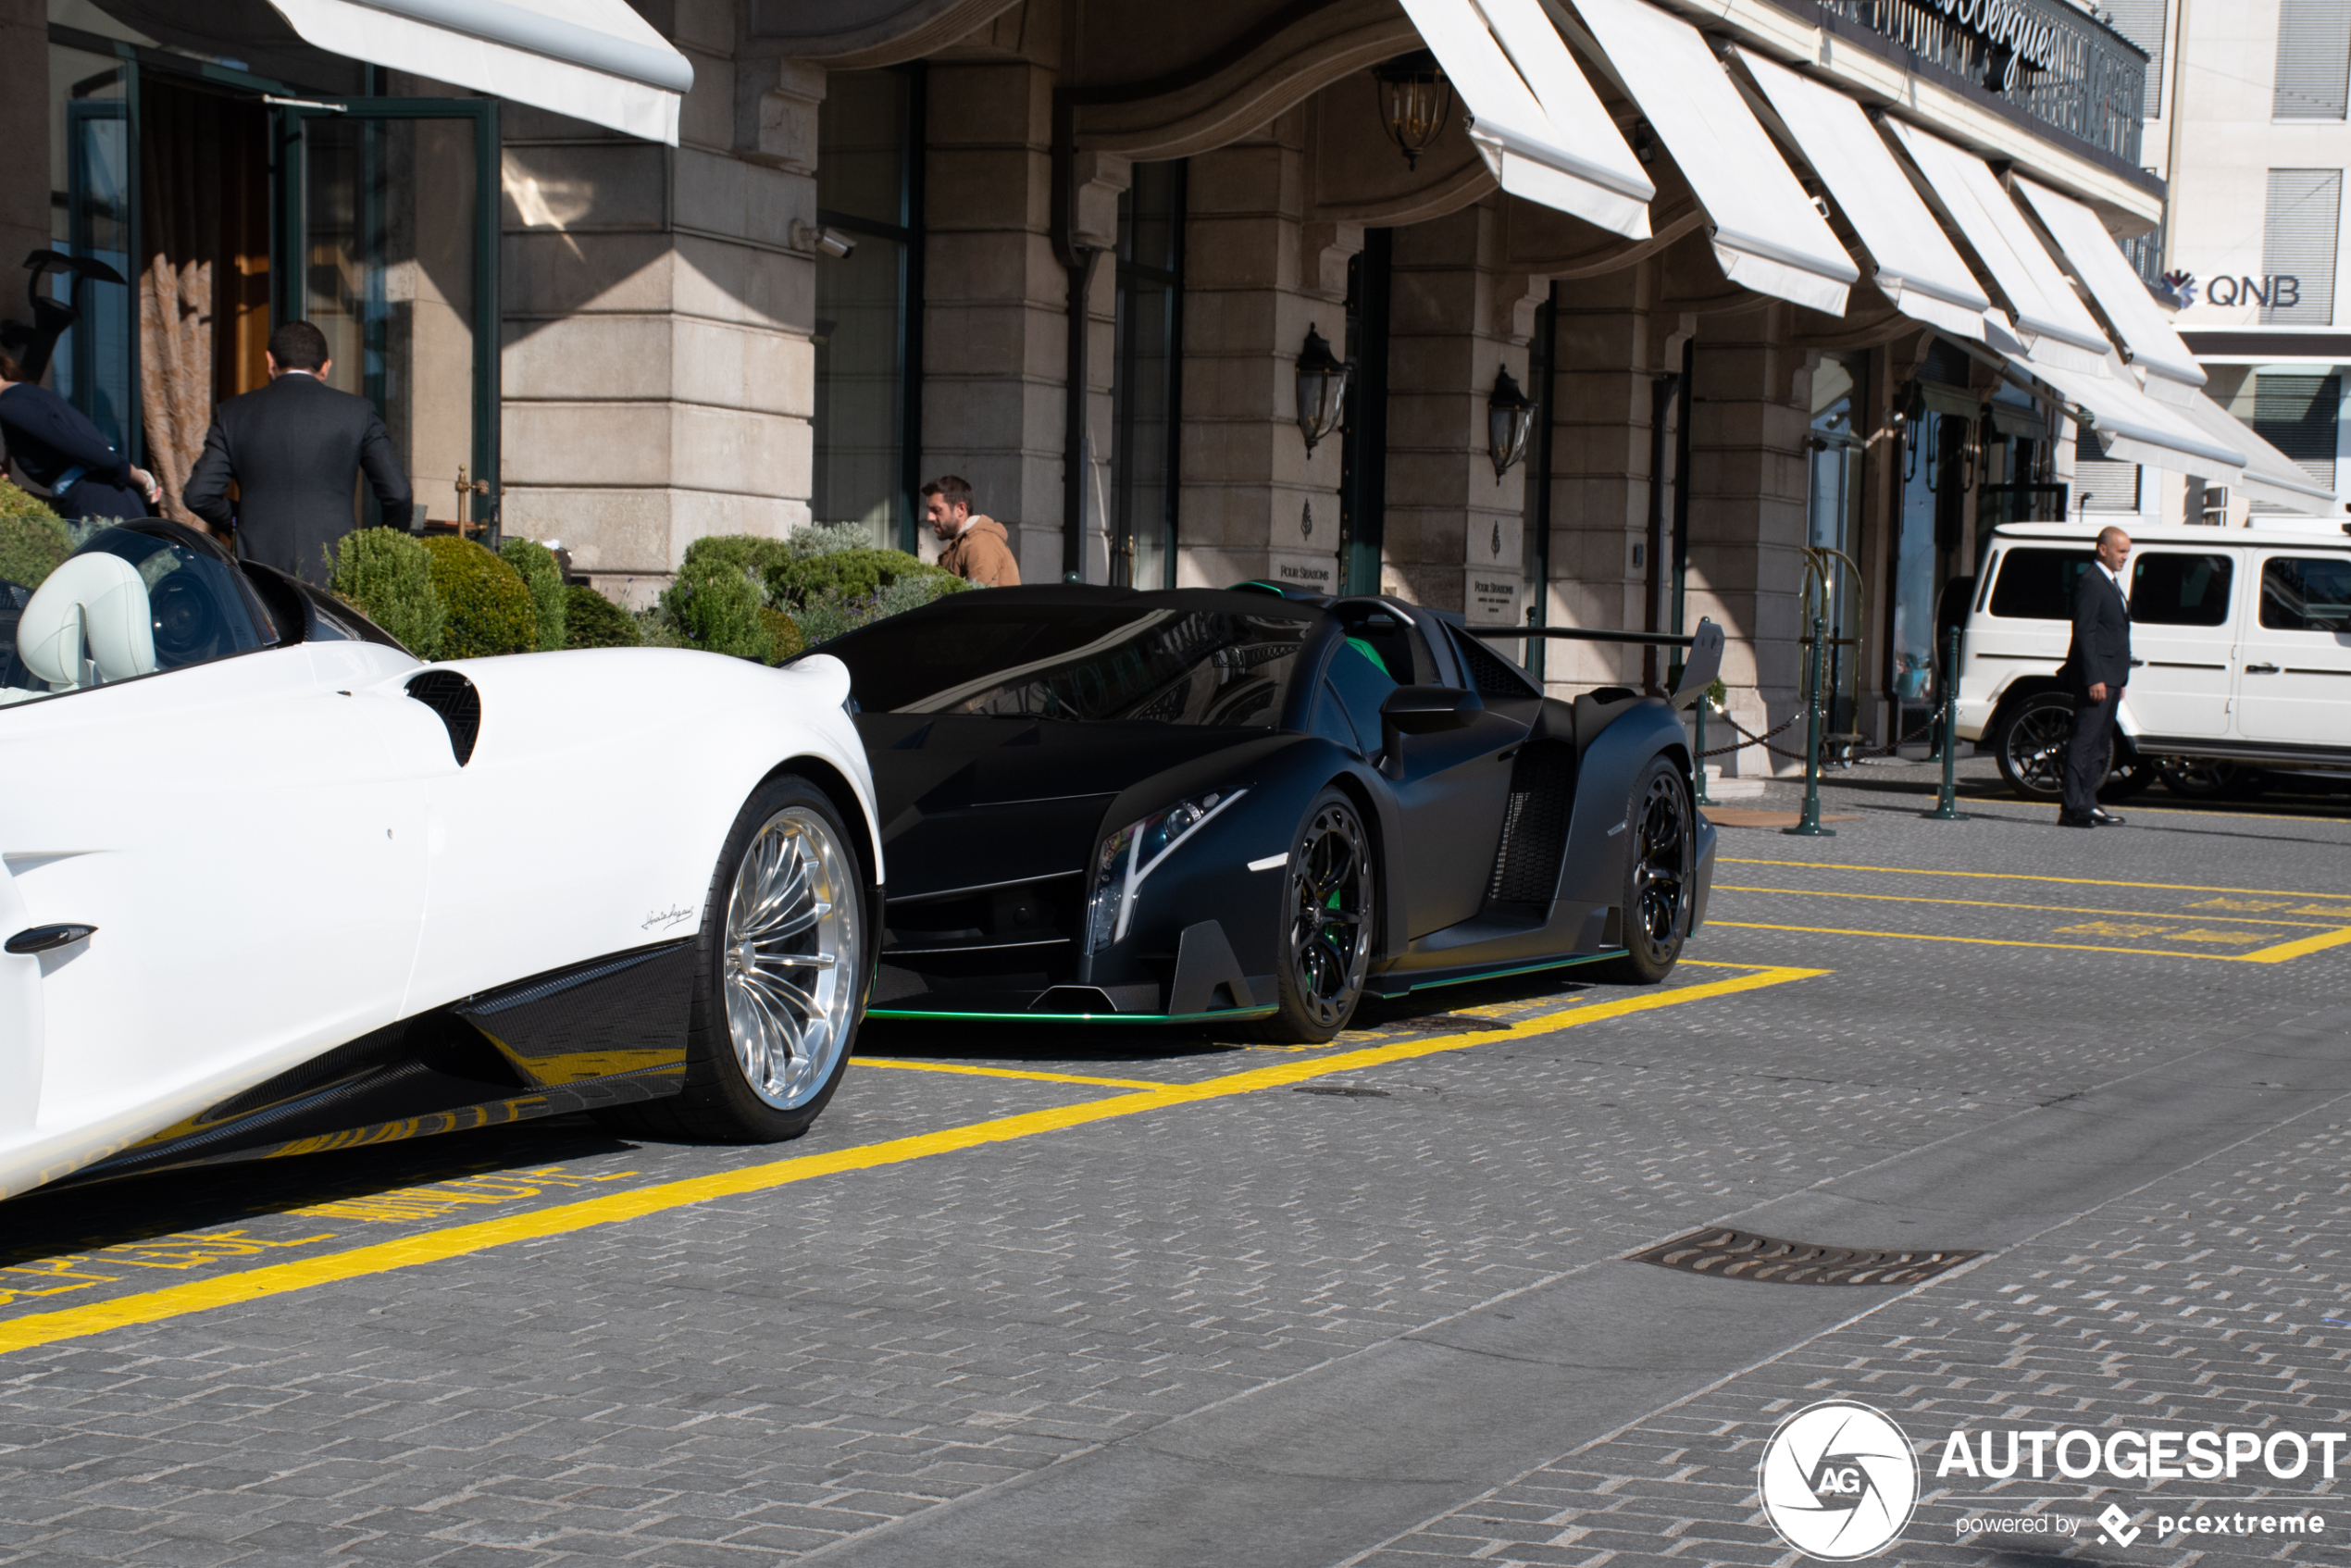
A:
{"points": [[1134, 853]]}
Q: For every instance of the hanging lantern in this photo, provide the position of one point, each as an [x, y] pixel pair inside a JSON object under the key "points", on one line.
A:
{"points": [[1322, 389], [1510, 417], [1415, 103]]}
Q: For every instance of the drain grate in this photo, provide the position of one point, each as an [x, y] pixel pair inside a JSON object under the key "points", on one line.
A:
{"points": [[1739, 1254], [1351, 1091]]}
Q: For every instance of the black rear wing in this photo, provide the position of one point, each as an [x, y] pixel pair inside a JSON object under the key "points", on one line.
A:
{"points": [[1698, 671]]}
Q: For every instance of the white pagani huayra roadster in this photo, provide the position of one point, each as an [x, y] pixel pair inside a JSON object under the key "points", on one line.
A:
{"points": [[271, 885]]}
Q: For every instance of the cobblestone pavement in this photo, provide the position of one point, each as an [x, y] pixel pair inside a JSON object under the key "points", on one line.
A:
{"points": [[1041, 1348]]}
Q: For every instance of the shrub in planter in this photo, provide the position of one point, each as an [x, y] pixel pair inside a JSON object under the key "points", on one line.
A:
{"points": [[535, 564], [783, 635], [590, 620], [713, 606], [387, 577], [489, 610], [749, 554], [853, 574], [31, 546]]}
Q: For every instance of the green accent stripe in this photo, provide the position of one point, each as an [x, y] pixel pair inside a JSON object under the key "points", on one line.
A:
{"points": [[1519, 969]]}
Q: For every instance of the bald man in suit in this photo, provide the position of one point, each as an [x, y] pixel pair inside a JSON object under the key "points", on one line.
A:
{"points": [[2097, 666]]}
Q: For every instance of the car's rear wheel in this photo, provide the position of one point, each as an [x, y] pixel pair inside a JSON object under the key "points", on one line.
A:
{"points": [[2032, 744], [1661, 874], [1328, 924], [780, 983]]}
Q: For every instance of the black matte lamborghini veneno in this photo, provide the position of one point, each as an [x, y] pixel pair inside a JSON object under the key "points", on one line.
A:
{"points": [[1205, 805]]}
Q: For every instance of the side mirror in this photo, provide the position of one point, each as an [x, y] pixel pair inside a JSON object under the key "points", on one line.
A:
{"points": [[1424, 710]]}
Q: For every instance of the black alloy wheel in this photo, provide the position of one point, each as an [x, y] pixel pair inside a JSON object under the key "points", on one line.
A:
{"points": [[1328, 925], [1661, 874], [2210, 778], [2031, 745]]}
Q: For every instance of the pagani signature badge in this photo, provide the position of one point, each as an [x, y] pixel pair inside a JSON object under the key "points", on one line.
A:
{"points": [[665, 918]]}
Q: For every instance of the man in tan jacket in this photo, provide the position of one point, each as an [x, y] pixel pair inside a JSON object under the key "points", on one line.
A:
{"points": [[976, 547]]}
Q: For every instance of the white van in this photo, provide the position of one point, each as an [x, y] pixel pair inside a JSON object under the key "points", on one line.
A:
{"points": [[2241, 657]]}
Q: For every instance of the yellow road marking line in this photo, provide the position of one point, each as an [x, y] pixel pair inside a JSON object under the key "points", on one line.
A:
{"points": [[2278, 954], [1008, 1073], [2022, 876], [1986, 903], [437, 1246]]}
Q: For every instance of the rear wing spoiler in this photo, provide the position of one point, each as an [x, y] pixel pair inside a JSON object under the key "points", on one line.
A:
{"points": [[1698, 671]]}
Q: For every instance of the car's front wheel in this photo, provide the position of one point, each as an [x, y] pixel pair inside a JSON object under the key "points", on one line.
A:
{"points": [[780, 983], [2031, 745], [1659, 877], [1328, 924]]}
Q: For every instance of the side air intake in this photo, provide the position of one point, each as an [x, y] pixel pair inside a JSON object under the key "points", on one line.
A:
{"points": [[454, 698], [1526, 867]]}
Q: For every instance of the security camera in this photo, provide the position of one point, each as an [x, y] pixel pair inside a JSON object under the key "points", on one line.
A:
{"points": [[826, 240]]}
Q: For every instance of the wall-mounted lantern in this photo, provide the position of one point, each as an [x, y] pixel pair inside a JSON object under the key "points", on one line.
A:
{"points": [[1322, 389], [1415, 103], [1510, 417]]}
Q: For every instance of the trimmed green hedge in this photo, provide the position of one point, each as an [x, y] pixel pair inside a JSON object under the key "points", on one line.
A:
{"points": [[387, 577], [489, 610], [715, 607], [535, 564], [590, 620], [853, 573], [31, 546]]}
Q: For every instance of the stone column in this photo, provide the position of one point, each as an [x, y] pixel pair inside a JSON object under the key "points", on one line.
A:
{"points": [[1255, 503], [1747, 490], [1604, 400], [1455, 533], [657, 359], [995, 328]]}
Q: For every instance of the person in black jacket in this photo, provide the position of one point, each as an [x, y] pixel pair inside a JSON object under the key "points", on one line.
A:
{"points": [[2097, 666], [295, 448], [63, 453]]}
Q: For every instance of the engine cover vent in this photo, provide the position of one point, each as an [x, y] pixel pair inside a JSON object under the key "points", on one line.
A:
{"points": [[1739, 1254], [454, 698]]}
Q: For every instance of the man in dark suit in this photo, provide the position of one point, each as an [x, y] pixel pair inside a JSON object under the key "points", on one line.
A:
{"points": [[2097, 666], [295, 449]]}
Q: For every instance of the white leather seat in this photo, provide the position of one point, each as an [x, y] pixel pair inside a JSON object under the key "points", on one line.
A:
{"points": [[89, 616]]}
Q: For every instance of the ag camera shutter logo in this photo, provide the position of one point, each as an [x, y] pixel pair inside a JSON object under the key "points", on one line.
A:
{"points": [[1838, 1480]]}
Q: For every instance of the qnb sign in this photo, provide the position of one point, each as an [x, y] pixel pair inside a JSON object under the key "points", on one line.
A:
{"points": [[2275, 288], [2006, 25]]}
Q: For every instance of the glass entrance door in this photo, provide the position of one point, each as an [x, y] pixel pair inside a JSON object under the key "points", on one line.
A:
{"points": [[390, 241]]}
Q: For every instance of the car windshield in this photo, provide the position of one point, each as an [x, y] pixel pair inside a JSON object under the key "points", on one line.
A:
{"points": [[1093, 662], [85, 605]]}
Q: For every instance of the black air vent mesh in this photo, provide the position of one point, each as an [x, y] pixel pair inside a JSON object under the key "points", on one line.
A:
{"points": [[1526, 868], [1491, 675], [454, 698]]}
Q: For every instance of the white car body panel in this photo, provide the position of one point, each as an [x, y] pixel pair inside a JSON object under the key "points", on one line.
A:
{"points": [[2190, 681], [280, 853]]}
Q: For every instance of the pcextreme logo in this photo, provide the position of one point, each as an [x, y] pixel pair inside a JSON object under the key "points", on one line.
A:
{"points": [[1838, 1480]]}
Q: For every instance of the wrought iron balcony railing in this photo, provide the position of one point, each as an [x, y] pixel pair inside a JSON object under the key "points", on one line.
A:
{"points": [[2051, 61]]}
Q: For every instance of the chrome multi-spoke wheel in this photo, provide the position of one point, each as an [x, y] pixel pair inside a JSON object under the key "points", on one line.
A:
{"points": [[1328, 922], [781, 968], [791, 964], [1659, 875]]}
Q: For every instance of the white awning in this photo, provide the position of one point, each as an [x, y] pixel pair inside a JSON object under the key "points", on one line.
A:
{"points": [[2269, 475], [2172, 371], [2050, 319], [2133, 428], [1916, 269], [591, 60], [1533, 118], [1767, 234]]}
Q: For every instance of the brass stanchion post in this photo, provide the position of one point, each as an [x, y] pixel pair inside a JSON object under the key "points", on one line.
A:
{"points": [[1810, 826]]}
